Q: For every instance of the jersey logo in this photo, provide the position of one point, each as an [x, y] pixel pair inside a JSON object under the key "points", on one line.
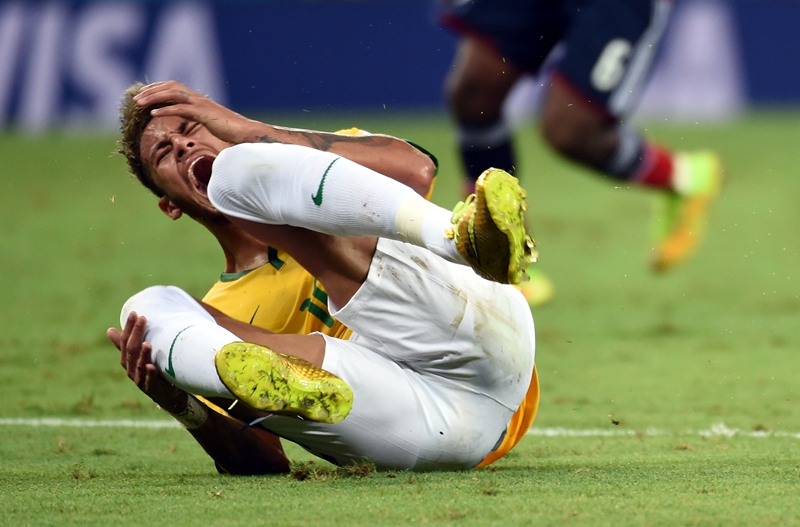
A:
{"points": [[317, 198], [170, 367], [254, 314]]}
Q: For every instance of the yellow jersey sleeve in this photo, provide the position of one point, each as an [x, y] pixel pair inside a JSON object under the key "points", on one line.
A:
{"points": [[353, 131], [280, 296], [520, 422]]}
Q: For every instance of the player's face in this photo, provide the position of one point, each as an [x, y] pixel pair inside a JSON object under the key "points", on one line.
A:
{"points": [[179, 154]]}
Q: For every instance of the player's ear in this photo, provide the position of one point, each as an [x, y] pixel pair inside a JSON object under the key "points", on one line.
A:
{"points": [[169, 208]]}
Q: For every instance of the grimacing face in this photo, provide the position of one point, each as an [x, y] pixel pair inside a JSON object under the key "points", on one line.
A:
{"points": [[179, 154]]}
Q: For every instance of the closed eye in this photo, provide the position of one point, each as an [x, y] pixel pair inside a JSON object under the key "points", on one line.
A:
{"points": [[163, 153]]}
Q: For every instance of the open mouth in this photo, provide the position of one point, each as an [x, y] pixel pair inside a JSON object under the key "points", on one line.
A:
{"points": [[200, 173]]}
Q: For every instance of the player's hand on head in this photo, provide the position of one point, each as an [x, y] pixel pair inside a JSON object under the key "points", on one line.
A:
{"points": [[182, 101]]}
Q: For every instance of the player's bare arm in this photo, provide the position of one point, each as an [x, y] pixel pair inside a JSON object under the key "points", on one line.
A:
{"points": [[385, 154], [310, 348], [236, 451]]}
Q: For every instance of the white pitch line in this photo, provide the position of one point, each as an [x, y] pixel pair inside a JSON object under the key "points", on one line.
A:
{"points": [[90, 423], [717, 430]]}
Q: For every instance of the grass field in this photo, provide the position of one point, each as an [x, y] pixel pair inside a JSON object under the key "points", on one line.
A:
{"points": [[666, 400]]}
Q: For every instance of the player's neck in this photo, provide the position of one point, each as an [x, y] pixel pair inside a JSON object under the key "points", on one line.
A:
{"points": [[242, 251]]}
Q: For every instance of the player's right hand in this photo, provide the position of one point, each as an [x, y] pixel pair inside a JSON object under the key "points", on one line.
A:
{"points": [[181, 101]]}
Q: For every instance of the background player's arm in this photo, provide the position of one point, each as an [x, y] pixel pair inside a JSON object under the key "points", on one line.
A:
{"points": [[235, 450], [384, 154]]}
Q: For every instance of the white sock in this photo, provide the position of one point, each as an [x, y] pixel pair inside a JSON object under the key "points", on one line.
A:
{"points": [[184, 336], [294, 185]]}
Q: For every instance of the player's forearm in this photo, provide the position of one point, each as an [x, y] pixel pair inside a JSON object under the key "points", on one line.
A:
{"points": [[384, 154]]}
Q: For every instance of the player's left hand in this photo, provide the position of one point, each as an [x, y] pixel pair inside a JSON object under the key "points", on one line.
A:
{"points": [[135, 357], [183, 102]]}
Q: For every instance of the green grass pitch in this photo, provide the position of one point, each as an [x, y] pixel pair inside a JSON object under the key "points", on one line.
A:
{"points": [[666, 400]]}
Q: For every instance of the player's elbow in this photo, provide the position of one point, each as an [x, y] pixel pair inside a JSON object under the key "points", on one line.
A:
{"points": [[421, 178]]}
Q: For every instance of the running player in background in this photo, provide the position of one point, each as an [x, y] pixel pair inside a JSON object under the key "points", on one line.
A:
{"points": [[261, 285], [603, 53]]}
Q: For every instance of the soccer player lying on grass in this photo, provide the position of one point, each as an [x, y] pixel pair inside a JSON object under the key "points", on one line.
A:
{"points": [[411, 367]]}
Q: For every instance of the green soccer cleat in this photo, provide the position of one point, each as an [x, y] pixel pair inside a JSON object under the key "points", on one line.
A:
{"points": [[680, 222], [489, 229], [278, 383]]}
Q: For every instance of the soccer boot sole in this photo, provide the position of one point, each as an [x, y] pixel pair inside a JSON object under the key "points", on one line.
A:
{"points": [[278, 383], [489, 229]]}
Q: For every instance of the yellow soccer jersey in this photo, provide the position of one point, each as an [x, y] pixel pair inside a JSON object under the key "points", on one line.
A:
{"points": [[280, 296]]}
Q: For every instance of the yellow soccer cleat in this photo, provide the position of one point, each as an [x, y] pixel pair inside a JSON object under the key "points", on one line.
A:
{"points": [[274, 382], [489, 229], [680, 223], [538, 289]]}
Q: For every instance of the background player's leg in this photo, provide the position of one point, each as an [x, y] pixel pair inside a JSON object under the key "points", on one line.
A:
{"points": [[610, 49], [476, 89], [583, 132]]}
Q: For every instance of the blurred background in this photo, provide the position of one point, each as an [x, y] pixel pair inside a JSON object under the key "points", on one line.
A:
{"points": [[65, 63]]}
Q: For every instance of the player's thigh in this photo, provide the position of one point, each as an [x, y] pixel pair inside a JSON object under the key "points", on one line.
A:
{"points": [[610, 47], [400, 419], [479, 82]]}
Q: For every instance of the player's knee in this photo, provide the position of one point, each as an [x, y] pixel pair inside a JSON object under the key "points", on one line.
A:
{"points": [[457, 96], [235, 167], [141, 301], [156, 299]]}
